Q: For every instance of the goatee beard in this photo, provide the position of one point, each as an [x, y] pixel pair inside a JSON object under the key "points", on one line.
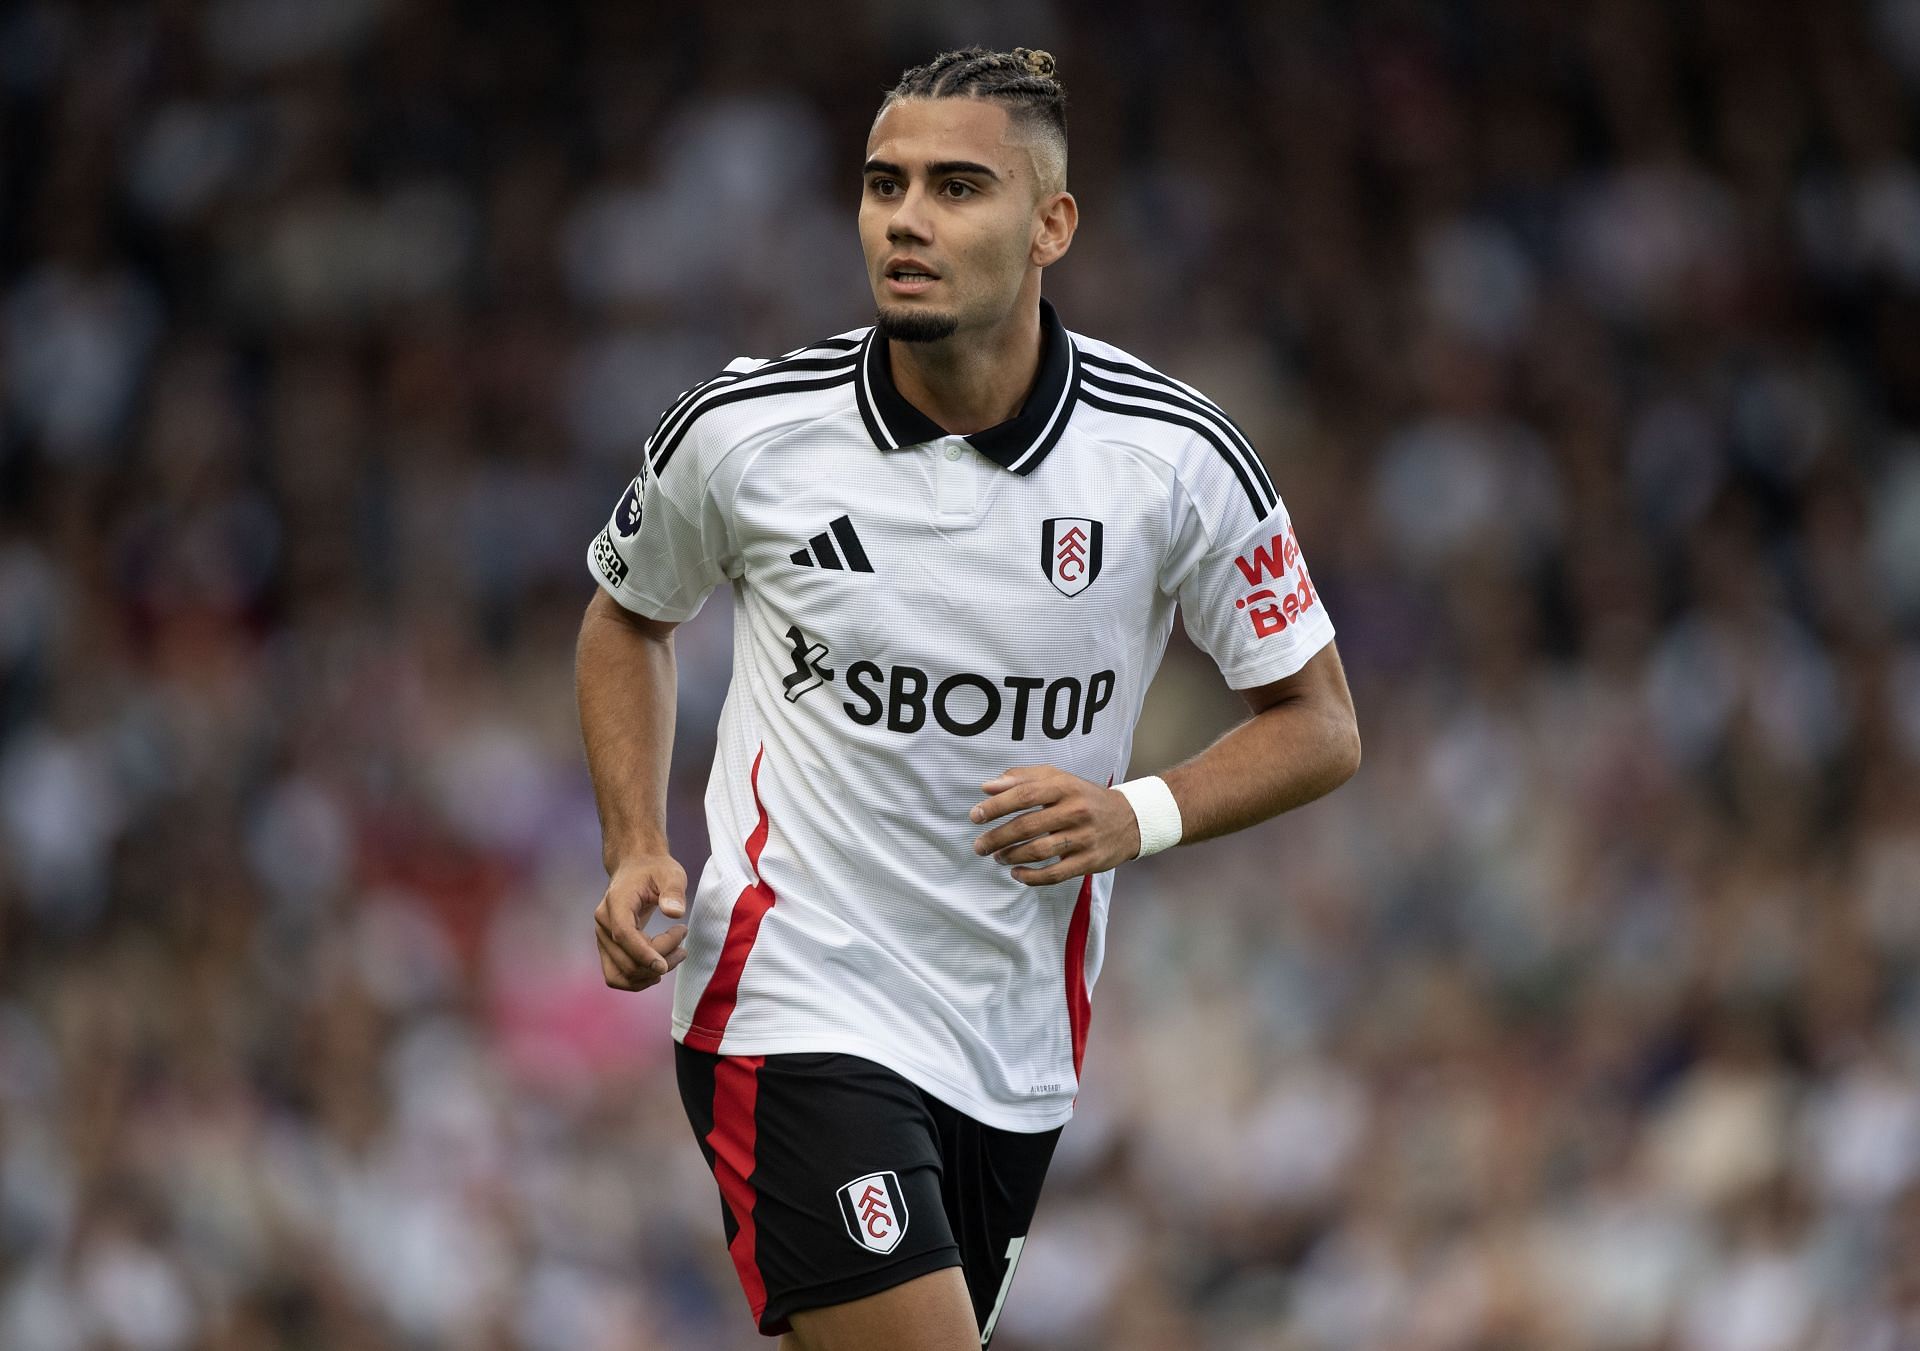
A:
{"points": [[916, 325]]}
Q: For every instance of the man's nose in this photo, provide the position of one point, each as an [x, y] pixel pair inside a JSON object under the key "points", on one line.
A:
{"points": [[910, 219]]}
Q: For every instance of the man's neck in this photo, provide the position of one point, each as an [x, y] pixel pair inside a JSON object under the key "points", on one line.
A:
{"points": [[967, 385]]}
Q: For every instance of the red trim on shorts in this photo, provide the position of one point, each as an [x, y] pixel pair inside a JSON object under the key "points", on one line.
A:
{"points": [[709, 1022], [1079, 1006], [736, 1091]]}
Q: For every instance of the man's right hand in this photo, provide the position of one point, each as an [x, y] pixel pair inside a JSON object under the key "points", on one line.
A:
{"points": [[629, 959]]}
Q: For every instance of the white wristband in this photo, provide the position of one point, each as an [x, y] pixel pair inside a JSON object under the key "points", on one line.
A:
{"points": [[1155, 810]]}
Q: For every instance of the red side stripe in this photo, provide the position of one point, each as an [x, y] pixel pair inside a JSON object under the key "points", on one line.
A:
{"points": [[736, 1090], [710, 1015], [1079, 1007]]}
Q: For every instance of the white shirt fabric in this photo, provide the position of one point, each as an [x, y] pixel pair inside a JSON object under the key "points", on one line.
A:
{"points": [[915, 613]]}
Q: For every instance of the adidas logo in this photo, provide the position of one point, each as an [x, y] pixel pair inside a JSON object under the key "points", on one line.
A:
{"points": [[821, 550]]}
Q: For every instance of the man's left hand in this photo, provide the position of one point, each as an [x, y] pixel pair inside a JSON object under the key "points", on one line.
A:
{"points": [[1081, 826]]}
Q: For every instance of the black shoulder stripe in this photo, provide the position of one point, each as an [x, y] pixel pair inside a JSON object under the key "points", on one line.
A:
{"points": [[787, 362], [1146, 372], [687, 396], [719, 398], [836, 344], [1195, 402], [1225, 441], [689, 406], [790, 362], [1245, 463], [680, 401], [1162, 413]]}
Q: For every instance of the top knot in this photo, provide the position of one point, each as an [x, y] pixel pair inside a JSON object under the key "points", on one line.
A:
{"points": [[1038, 63]]}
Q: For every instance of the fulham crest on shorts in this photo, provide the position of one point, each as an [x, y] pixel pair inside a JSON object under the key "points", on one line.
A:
{"points": [[875, 1211]]}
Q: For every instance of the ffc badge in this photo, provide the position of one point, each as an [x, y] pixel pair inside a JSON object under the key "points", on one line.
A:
{"points": [[875, 1211], [626, 516], [1070, 552]]}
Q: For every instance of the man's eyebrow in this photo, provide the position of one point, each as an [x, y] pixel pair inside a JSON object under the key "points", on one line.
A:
{"points": [[961, 166], [945, 166]]}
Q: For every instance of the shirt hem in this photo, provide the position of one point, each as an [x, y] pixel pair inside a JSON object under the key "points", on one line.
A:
{"points": [[1266, 673], [644, 606], [999, 1115]]}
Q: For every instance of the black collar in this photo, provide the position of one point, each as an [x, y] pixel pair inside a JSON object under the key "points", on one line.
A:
{"points": [[1019, 443]]}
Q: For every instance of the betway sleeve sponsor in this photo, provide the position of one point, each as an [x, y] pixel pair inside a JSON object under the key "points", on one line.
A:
{"points": [[665, 548], [1250, 603]]}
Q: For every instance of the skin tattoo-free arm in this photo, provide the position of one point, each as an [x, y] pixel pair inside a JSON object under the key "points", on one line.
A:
{"points": [[624, 679]]}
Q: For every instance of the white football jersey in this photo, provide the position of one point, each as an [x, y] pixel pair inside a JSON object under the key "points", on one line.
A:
{"points": [[916, 612]]}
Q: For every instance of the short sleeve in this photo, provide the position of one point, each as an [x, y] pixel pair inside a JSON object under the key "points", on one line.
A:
{"points": [[668, 542], [1249, 602]]}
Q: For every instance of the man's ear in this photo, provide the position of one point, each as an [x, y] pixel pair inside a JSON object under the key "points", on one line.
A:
{"points": [[1053, 234]]}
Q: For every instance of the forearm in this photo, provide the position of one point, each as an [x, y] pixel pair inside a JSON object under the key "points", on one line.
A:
{"points": [[624, 678], [1282, 757]]}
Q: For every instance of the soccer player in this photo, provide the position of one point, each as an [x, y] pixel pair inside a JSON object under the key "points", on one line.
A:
{"points": [[956, 541]]}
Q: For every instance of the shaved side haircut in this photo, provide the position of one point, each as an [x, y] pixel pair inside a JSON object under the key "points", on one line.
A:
{"points": [[1022, 79]]}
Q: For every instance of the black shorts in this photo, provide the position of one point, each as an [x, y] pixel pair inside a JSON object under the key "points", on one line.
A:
{"points": [[839, 1179]]}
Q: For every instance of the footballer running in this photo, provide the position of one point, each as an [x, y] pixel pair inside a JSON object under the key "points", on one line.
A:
{"points": [[956, 541]]}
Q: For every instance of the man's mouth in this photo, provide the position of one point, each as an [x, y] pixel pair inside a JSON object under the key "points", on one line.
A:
{"points": [[908, 276], [909, 281]]}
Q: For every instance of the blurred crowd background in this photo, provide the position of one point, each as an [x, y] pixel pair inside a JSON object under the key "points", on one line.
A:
{"points": [[1583, 340]]}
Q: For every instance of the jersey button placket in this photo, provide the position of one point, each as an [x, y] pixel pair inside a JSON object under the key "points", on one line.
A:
{"points": [[956, 486]]}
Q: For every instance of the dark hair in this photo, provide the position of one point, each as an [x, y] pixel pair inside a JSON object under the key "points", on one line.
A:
{"points": [[1023, 79]]}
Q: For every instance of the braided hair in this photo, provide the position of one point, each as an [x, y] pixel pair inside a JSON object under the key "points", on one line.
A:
{"points": [[1022, 79]]}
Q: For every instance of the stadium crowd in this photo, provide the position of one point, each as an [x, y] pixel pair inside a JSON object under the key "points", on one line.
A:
{"points": [[1584, 343]]}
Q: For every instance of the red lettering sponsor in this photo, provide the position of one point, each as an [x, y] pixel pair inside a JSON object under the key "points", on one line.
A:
{"points": [[1279, 611], [1273, 559], [1268, 610]]}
